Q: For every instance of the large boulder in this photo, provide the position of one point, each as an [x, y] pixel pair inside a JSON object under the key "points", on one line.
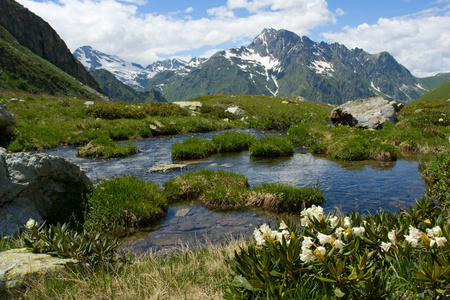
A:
{"points": [[368, 113], [7, 121], [31, 184]]}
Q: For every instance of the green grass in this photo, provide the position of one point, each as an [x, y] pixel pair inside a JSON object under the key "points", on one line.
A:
{"points": [[293, 199], [441, 92], [216, 189], [271, 146], [106, 148], [192, 148], [120, 203], [233, 141]]}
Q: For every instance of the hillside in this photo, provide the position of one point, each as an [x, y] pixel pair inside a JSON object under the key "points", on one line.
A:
{"points": [[441, 92], [115, 89], [35, 59]]}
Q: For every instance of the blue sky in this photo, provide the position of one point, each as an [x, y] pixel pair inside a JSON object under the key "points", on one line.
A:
{"points": [[415, 32]]}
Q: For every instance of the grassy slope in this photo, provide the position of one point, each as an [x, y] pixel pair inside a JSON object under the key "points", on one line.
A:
{"points": [[440, 92], [23, 70]]}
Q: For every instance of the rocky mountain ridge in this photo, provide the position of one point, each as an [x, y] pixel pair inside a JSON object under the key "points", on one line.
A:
{"points": [[278, 63], [130, 73]]}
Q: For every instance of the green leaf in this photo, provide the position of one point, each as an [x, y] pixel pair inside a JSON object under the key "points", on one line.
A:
{"points": [[28, 243], [338, 293], [326, 279]]}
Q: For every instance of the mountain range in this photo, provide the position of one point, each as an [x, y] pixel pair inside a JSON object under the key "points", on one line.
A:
{"points": [[276, 63]]}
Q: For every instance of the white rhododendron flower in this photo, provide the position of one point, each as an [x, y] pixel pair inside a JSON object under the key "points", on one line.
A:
{"points": [[435, 231], [440, 241], [30, 223], [392, 237], [313, 211], [358, 230], [320, 251], [307, 256], [414, 236], [307, 242], [338, 244], [323, 238], [347, 222], [340, 230], [386, 246], [259, 238], [334, 221], [282, 226]]}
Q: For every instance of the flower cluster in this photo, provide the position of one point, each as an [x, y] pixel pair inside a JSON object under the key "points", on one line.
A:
{"points": [[432, 237], [311, 213], [265, 234]]}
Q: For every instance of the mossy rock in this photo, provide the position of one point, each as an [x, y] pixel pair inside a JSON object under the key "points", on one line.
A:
{"points": [[17, 264]]}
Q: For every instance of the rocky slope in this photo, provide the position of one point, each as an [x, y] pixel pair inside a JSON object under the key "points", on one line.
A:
{"points": [[30, 31]]}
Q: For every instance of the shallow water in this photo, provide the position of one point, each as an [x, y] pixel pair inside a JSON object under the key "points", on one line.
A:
{"points": [[360, 186]]}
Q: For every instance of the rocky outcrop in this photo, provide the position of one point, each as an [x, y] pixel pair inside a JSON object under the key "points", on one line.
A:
{"points": [[7, 121], [17, 264], [36, 34], [31, 184], [236, 110], [369, 113]]}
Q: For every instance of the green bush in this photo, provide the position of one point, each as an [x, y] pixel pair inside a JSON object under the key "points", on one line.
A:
{"points": [[106, 148], [293, 199], [124, 202], [215, 112], [59, 240], [213, 188], [165, 110], [192, 148], [303, 134], [381, 256], [114, 111], [233, 141], [271, 146]]}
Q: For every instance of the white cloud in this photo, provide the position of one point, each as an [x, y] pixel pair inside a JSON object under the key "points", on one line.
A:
{"points": [[419, 41], [340, 12], [117, 27]]}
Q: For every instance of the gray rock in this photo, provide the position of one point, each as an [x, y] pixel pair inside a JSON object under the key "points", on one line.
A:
{"points": [[30, 184], [89, 103], [192, 105], [17, 264], [235, 110], [7, 120], [166, 167], [368, 113]]}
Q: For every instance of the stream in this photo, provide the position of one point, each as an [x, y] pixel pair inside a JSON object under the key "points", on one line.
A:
{"points": [[365, 187]]}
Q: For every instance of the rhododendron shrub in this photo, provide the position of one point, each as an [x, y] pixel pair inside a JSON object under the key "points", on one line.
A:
{"points": [[349, 256]]}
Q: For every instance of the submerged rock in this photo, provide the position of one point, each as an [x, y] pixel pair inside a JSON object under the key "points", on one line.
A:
{"points": [[166, 167], [17, 264], [369, 113], [30, 184]]}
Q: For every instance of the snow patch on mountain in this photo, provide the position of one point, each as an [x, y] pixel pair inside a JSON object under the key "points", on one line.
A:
{"points": [[322, 67]]}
